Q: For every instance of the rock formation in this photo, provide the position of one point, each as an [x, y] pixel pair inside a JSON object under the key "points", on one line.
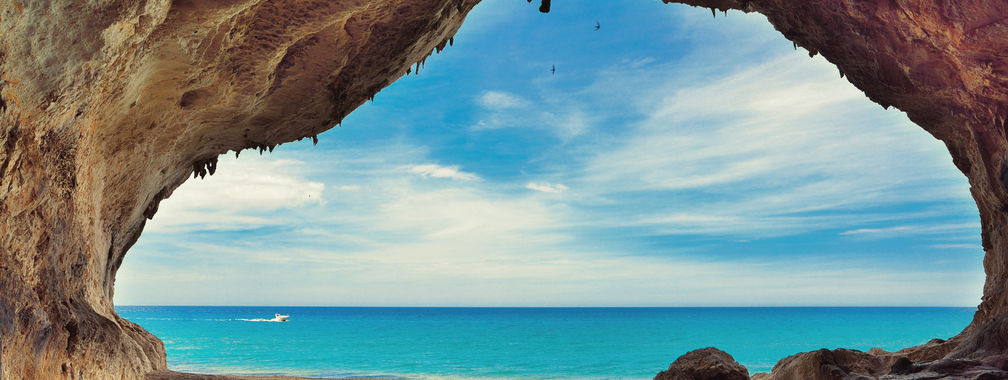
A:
{"points": [[705, 364], [106, 106], [944, 64]]}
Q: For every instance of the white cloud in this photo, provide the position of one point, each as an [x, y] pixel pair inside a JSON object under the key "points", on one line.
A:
{"points": [[546, 187], [976, 247], [563, 118], [438, 171], [467, 216], [500, 272], [774, 149], [242, 193], [770, 149], [570, 124], [877, 231], [498, 100], [930, 230]]}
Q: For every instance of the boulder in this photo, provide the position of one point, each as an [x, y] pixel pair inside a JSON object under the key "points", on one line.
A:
{"points": [[705, 364]]}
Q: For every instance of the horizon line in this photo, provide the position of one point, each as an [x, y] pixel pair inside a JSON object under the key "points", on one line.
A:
{"points": [[572, 307]]}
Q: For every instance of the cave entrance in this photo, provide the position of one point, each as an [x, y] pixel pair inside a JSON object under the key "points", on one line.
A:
{"points": [[631, 154]]}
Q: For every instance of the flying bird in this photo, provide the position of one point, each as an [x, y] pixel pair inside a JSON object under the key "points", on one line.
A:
{"points": [[554, 70], [597, 25]]}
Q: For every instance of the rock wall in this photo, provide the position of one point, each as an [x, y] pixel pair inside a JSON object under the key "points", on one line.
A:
{"points": [[106, 106], [944, 63]]}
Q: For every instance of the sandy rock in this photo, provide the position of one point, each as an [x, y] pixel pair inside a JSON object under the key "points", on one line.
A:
{"points": [[171, 375], [107, 106]]}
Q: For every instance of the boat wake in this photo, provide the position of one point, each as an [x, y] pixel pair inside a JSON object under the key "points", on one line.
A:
{"points": [[278, 318]]}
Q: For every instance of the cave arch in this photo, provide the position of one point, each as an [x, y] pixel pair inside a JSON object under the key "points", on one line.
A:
{"points": [[98, 128]]}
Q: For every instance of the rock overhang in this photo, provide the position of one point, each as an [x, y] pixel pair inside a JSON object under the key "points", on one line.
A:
{"points": [[106, 113]]}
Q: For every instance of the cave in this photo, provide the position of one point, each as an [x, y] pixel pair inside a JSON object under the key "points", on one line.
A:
{"points": [[107, 107]]}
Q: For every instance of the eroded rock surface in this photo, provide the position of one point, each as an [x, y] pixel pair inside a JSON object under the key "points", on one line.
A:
{"points": [[106, 106], [704, 364]]}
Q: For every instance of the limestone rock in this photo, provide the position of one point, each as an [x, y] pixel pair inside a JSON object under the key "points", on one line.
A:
{"points": [[705, 364], [107, 106]]}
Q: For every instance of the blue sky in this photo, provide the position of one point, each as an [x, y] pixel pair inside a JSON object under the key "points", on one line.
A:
{"points": [[673, 159]]}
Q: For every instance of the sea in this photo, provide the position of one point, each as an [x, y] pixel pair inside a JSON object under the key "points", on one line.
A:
{"points": [[517, 343]]}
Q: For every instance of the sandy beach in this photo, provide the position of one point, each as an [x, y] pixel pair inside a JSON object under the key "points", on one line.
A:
{"points": [[172, 375]]}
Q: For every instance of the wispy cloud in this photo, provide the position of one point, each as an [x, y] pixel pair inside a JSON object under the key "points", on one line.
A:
{"points": [[878, 231], [562, 118], [775, 149], [546, 187], [976, 247], [932, 230], [499, 100], [248, 192], [503, 110], [693, 163], [449, 272], [468, 216], [437, 171], [571, 123]]}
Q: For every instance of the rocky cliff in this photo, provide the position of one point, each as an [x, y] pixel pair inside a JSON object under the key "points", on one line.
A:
{"points": [[106, 106]]}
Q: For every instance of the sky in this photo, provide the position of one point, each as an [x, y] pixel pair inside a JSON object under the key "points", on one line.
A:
{"points": [[672, 159]]}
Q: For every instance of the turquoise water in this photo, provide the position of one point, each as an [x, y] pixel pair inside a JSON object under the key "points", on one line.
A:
{"points": [[517, 343]]}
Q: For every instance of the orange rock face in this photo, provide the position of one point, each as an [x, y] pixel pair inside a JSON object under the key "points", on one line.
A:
{"points": [[107, 106]]}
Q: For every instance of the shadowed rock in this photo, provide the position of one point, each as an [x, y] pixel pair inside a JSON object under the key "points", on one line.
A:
{"points": [[829, 364], [705, 364]]}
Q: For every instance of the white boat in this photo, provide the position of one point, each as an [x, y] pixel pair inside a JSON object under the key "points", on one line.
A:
{"points": [[280, 318]]}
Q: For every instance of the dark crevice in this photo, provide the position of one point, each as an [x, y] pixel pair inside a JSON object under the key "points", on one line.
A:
{"points": [[153, 206], [73, 337]]}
